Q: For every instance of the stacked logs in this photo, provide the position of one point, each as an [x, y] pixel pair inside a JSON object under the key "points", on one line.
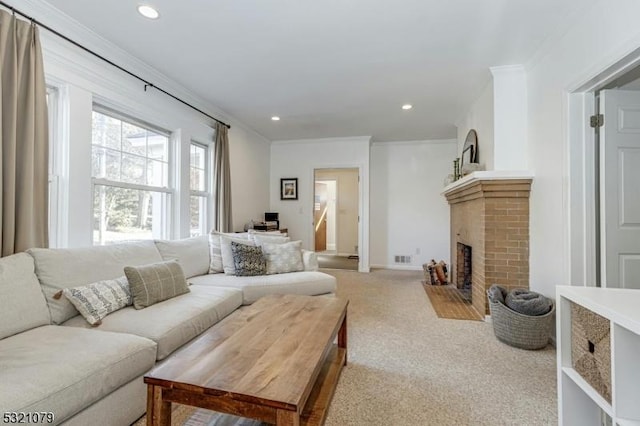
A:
{"points": [[435, 273]]}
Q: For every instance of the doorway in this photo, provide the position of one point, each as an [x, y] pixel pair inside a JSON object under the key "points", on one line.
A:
{"points": [[336, 217], [611, 198]]}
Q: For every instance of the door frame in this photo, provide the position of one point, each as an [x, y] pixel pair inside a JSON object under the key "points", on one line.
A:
{"points": [[580, 156], [363, 212]]}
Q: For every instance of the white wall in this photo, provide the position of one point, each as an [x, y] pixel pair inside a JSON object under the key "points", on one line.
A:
{"points": [[603, 34], [509, 117], [83, 79], [479, 117], [346, 181], [408, 213], [299, 159]]}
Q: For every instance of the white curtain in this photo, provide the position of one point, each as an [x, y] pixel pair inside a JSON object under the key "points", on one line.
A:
{"points": [[24, 145]]}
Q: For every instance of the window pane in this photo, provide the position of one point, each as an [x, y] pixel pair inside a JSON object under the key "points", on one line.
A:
{"points": [[197, 180], [198, 156], [134, 139], [157, 173], [105, 131], [127, 214], [133, 169], [198, 208], [158, 146], [105, 163]]}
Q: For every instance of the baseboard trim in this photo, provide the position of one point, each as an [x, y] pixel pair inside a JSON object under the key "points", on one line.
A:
{"points": [[399, 267]]}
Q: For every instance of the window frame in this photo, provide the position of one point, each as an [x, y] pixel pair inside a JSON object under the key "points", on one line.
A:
{"points": [[206, 194], [169, 190], [54, 164]]}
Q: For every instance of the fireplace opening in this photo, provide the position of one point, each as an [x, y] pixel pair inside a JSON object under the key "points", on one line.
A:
{"points": [[463, 270]]}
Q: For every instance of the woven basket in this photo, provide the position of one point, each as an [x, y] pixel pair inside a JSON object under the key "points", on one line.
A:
{"points": [[521, 331], [591, 349]]}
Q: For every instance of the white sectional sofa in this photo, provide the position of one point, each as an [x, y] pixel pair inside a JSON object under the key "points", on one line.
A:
{"points": [[52, 360]]}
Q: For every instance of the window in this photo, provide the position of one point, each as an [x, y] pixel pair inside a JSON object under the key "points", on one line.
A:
{"points": [[199, 185], [131, 182]]}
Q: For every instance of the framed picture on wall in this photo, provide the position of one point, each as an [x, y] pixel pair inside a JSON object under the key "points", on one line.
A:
{"points": [[289, 189]]}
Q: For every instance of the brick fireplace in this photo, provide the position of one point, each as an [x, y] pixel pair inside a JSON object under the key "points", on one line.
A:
{"points": [[490, 216]]}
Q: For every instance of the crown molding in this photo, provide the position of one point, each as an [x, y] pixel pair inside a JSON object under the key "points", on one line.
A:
{"points": [[418, 142], [323, 140]]}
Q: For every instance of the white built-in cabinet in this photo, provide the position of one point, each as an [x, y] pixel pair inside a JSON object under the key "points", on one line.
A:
{"points": [[578, 403]]}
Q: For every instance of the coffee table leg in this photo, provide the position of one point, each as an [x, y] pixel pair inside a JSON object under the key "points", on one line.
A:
{"points": [[287, 418], [158, 411], [342, 337]]}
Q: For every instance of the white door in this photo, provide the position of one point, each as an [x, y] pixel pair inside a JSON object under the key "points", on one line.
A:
{"points": [[620, 188]]}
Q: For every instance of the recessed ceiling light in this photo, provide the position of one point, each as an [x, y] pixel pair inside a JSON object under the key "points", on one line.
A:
{"points": [[407, 106], [275, 118], [148, 11]]}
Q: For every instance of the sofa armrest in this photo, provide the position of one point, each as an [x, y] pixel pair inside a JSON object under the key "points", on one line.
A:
{"points": [[310, 260]]}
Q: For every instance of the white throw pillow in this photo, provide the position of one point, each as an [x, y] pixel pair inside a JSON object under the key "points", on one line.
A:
{"points": [[215, 253], [282, 258], [228, 263], [260, 239], [97, 300]]}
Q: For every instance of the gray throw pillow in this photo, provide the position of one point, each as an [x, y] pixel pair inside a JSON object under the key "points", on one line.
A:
{"points": [[248, 260], [155, 282], [97, 300]]}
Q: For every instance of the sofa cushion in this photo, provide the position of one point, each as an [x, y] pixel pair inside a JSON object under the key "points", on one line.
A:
{"points": [[97, 300], [248, 260], [155, 282], [283, 258], [63, 268], [305, 283], [174, 322], [22, 305], [64, 369], [191, 253]]}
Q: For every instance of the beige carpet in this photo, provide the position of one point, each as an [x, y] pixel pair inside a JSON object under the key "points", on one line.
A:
{"points": [[409, 367]]}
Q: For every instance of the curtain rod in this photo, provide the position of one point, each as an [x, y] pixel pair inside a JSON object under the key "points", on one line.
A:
{"points": [[147, 84]]}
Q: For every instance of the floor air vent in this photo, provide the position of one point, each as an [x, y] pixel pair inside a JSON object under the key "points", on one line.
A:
{"points": [[402, 259]]}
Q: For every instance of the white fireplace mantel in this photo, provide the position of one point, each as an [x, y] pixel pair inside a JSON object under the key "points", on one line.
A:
{"points": [[474, 177]]}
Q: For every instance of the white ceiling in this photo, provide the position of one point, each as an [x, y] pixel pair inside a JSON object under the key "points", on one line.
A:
{"points": [[335, 67]]}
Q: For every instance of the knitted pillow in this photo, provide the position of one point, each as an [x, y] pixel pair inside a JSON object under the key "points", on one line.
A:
{"points": [[248, 260], [155, 282], [97, 300]]}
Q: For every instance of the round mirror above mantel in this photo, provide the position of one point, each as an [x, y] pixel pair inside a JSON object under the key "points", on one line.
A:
{"points": [[469, 156]]}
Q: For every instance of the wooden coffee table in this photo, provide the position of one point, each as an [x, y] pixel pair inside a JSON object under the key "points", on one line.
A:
{"points": [[274, 361]]}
